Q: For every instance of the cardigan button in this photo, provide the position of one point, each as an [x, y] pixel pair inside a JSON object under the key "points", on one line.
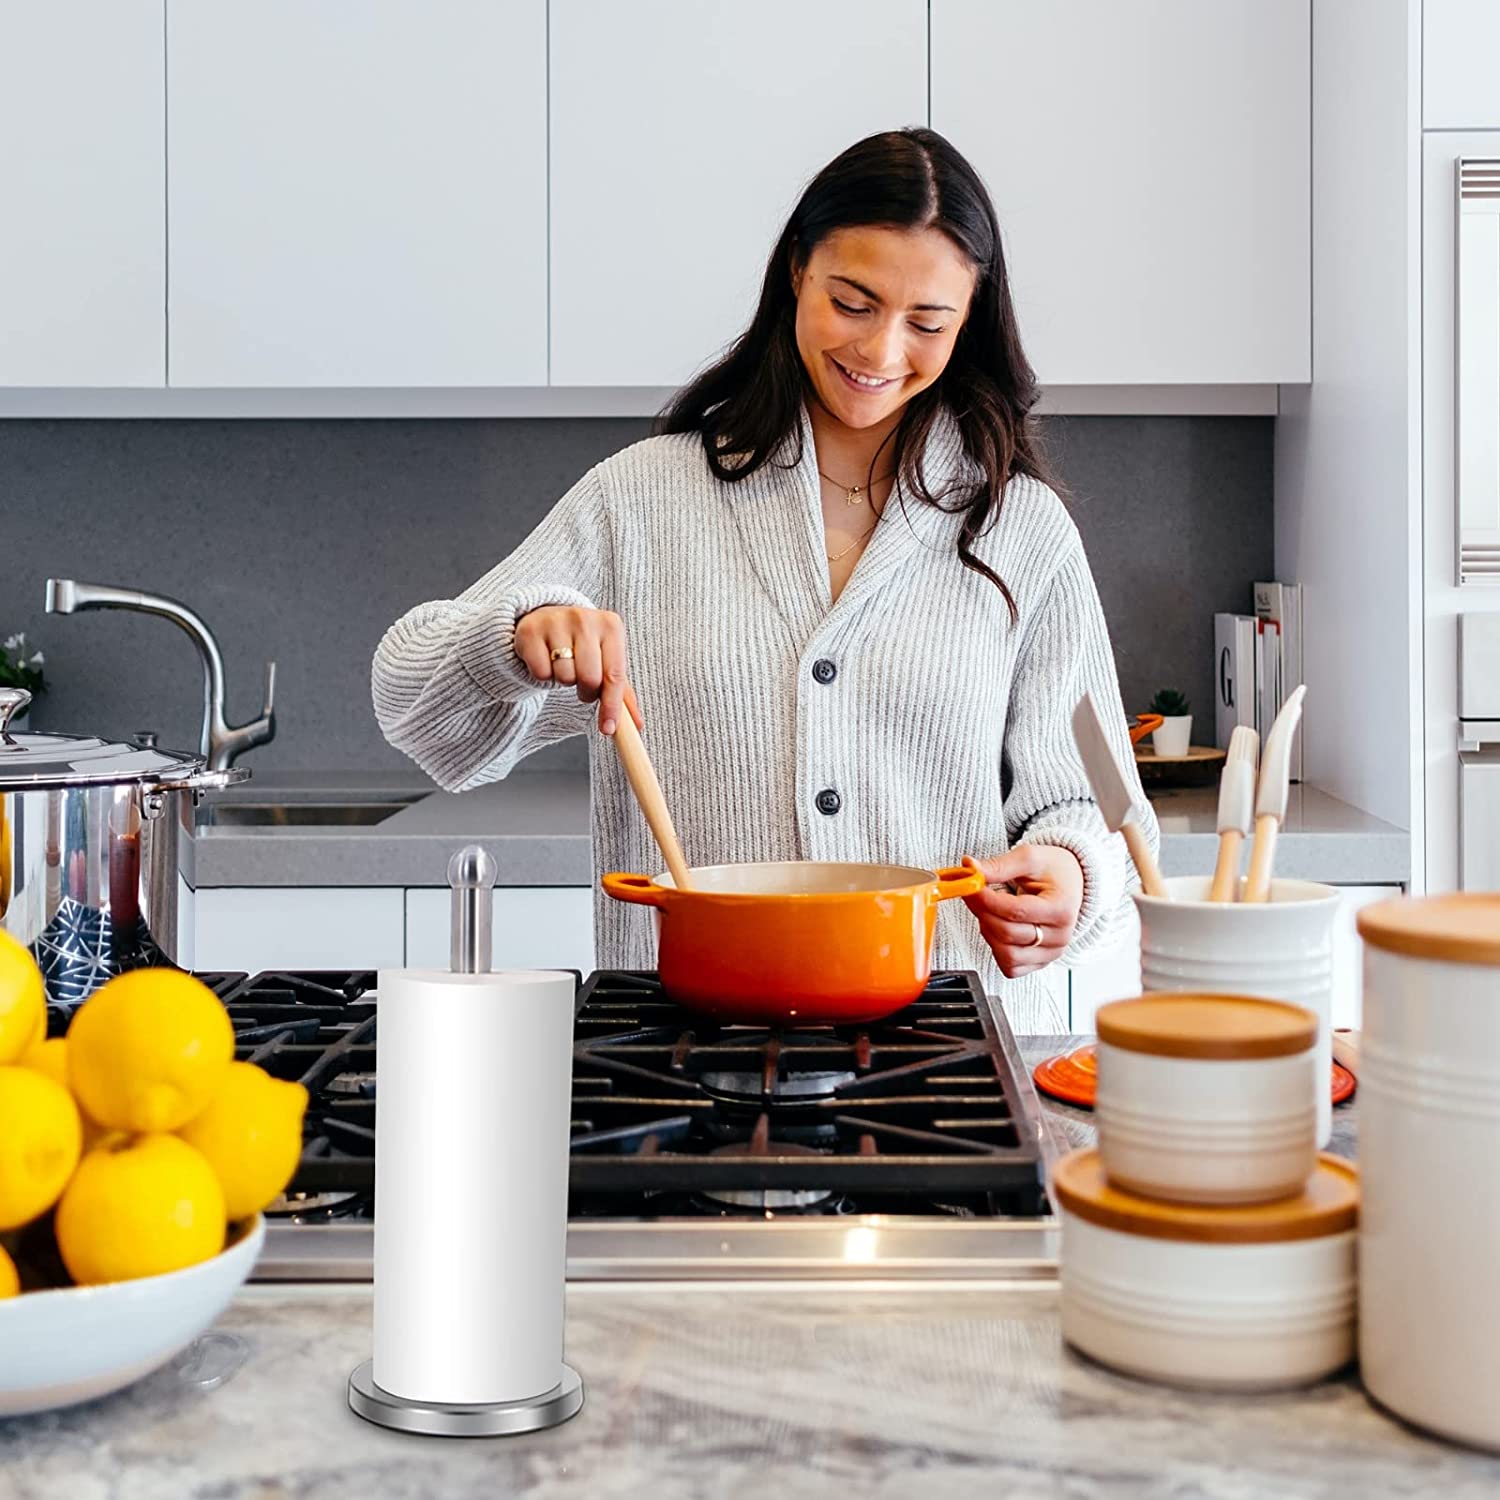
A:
{"points": [[824, 671], [829, 802]]}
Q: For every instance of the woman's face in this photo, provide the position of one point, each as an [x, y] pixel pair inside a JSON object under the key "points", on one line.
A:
{"points": [[878, 313]]}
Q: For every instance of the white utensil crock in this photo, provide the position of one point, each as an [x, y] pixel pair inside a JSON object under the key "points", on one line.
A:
{"points": [[1281, 949]]}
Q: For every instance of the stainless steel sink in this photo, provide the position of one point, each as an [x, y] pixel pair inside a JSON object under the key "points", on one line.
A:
{"points": [[300, 814]]}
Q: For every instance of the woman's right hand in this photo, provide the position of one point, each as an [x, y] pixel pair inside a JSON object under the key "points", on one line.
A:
{"points": [[582, 648]]}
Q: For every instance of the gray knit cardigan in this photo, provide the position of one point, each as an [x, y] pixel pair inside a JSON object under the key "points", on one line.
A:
{"points": [[910, 722]]}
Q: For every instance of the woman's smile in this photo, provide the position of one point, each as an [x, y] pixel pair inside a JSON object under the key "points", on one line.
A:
{"points": [[859, 381]]}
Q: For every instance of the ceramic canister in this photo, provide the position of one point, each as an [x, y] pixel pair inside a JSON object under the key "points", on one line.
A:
{"points": [[1429, 1149], [1207, 1098], [1243, 1298], [1281, 949]]}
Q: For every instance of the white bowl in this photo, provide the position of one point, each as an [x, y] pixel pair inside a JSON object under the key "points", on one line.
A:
{"points": [[75, 1343]]}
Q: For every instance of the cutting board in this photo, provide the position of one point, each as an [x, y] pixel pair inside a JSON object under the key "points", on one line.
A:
{"points": [[1199, 767]]}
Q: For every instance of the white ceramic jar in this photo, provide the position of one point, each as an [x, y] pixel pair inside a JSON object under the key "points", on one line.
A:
{"points": [[1429, 1151], [1248, 1298], [1281, 949], [1207, 1098]]}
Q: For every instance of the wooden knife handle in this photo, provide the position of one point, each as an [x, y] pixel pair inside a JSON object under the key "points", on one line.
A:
{"points": [[1145, 863]]}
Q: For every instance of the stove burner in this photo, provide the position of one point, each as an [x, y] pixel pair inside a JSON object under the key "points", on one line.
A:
{"points": [[751, 1088], [309, 1208], [798, 1200], [353, 1085]]}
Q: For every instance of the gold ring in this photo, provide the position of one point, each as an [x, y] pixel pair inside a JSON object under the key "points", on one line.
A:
{"points": [[1036, 942], [563, 653]]}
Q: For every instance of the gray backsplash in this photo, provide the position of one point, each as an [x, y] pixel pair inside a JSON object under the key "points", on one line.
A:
{"points": [[303, 540]]}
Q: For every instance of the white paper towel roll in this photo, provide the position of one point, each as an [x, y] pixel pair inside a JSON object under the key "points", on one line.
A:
{"points": [[474, 1090]]}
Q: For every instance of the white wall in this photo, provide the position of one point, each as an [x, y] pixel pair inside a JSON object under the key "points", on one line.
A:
{"points": [[1348, 449]]}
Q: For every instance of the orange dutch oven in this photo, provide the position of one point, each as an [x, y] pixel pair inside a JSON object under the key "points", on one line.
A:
{"points": [[799, 942]]}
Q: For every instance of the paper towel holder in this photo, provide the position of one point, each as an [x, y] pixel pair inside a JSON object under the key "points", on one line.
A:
{"points": [[471, 876]]}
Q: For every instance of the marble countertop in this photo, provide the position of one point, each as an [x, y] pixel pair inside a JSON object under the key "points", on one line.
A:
{"points": [[736, 1391], [536, 826]]}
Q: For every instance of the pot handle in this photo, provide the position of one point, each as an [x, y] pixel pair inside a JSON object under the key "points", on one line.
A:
{"points": [[639, 890], [198, 779], [959, 880]]}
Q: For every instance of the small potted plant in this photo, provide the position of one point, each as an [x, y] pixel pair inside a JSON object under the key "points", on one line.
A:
{"points": [[20, 670], [1171, 741]]}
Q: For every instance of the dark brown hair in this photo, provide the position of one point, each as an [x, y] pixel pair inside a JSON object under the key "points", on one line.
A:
{"points": [[747, 404]]}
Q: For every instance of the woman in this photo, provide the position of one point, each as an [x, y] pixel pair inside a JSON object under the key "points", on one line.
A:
{"points": [[857, 616]]}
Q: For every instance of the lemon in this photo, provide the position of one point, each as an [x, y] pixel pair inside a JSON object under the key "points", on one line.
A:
{"points": [[41, 1137], [147, 1051], [251, 1135], [10, 1278], [23, 1000], [139, 1206], [51, 1057]]}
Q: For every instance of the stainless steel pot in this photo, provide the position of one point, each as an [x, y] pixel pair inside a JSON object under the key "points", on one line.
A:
{"points": [[96, 851]]}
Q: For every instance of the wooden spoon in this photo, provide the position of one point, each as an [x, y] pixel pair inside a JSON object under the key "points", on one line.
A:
{"points": [[647, 789]]}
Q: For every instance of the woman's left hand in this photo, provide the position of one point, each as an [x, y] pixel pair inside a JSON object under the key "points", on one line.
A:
{"points": [[1029, 926]]}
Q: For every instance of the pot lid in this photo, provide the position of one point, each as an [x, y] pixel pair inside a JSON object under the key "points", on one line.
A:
{"points": [[1216, 1028], [1328, 1204], [35, 762], [1461, 928]]}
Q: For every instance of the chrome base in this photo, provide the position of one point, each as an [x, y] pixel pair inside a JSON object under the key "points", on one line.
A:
{"points": [[462, 1419]]}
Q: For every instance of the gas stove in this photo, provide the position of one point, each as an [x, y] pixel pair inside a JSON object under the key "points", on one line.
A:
{"points": [[913, 1146]]}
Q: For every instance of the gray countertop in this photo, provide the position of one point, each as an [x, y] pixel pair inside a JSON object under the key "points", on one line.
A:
{"points": [[536, 826]]}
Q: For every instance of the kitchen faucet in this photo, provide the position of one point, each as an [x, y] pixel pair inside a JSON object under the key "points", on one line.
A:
{"points": [[219, 743]]}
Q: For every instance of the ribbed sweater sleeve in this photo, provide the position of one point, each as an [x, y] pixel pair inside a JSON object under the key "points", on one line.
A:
{"points": [[1049, 800], [447, 685]]}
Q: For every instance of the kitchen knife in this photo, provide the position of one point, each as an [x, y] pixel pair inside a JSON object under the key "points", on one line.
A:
{"points": [[1112, 792], [1236, 808], [1270, 796]]}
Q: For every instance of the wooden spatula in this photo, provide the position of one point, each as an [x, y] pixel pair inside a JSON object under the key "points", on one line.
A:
{"points": [[647, 789]]}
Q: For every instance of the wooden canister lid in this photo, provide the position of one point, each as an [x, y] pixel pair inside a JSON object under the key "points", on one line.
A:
{"points": [[1329, 1204], [1218, 1028], [1462, 928]]}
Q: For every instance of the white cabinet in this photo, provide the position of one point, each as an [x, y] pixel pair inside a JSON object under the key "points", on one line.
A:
{"points": [[1111, 972], [1348, 950], [682, 133], [358, 193], [82, 192], [327, 927], [535, 927], [1460, 53], [1150, 165]]}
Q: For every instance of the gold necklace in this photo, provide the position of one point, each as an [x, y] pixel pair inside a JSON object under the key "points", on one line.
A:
{"points": [[836, 556], [853, 492]]}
